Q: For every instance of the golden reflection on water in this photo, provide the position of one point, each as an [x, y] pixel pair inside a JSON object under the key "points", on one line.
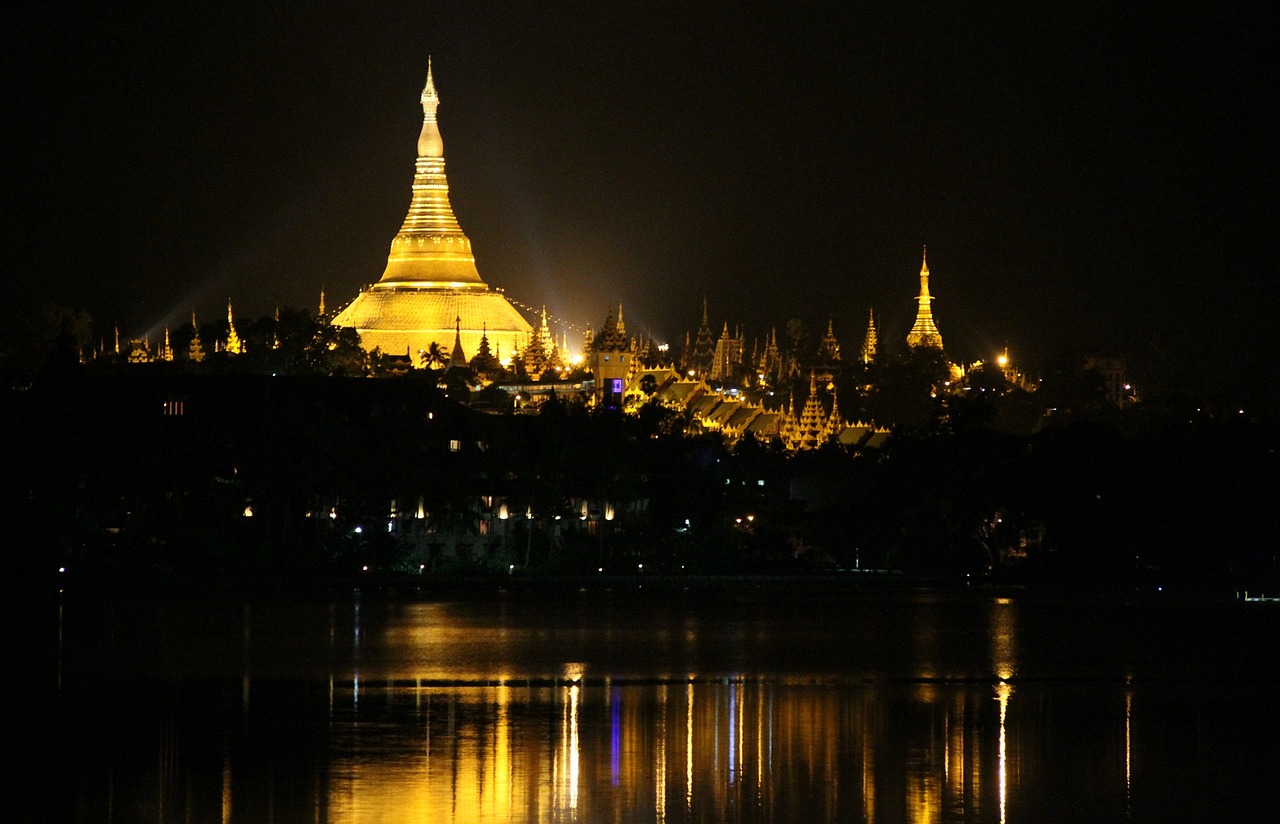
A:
{"points": [[619, 752], [789, 750], [937, 743], [1003, 691], [1004, 639]]}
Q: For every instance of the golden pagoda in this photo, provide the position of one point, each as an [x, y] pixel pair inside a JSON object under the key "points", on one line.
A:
{"points": [[925, 331], [195, 349], [868, 353], [234, 345], [431, 291]]}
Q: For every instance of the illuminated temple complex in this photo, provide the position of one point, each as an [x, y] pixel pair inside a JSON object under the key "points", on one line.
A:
{"points": [[431, 291]]}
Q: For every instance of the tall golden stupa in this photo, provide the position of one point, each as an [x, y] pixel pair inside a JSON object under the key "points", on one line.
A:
{"points": [[430, 291], [924, 332]]}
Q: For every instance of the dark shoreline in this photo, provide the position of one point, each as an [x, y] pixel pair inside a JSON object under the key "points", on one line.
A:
{"points": [[632, 585]]}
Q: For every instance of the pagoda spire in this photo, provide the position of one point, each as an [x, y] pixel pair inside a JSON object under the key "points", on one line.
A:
{"points": [[924, 333], [456, 356], [868, 353], [829, 348], [430, 249], [234, 345], [195, 350], [622, 327], [321, 313], [430, 143]]}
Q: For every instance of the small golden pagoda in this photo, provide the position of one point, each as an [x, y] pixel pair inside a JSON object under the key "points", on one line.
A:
{"points": [[868, 353], [431, 291], [234, 345], [925, 331]]}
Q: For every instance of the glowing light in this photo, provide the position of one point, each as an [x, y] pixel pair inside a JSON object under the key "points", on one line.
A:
{"points": [[1128, 744], [688, 746], [1003, 691]]}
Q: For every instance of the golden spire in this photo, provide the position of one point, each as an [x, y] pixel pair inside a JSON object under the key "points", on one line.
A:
{"points": [[166, 354], [321, 312], [195, 351], [829, 348], [234, 345], [429, 142], [456, 356], [925, 332], [622, 327], [869, 342], [430, 249]]}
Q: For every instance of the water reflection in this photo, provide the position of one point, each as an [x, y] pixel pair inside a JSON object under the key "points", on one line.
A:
{"points": [[445, 713], [729, 750]]}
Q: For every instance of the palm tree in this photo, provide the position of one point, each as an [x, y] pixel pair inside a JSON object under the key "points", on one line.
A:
{"points": [[433, 356]]}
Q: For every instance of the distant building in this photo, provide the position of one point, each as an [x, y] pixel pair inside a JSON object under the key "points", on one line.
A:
{"points": [[611, 361], [1112, 370]]}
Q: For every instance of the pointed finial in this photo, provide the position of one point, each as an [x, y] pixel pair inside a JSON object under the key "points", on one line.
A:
{"points": [[429, 96], [321, 301], [228, 310], [622, 327], [429, 141], [924, 260]]}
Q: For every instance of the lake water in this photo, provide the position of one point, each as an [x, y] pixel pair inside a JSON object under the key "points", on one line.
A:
{"points": [[772, 703]]}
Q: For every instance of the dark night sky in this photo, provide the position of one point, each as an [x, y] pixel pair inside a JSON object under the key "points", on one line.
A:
{"points": [[1089, 177]]}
